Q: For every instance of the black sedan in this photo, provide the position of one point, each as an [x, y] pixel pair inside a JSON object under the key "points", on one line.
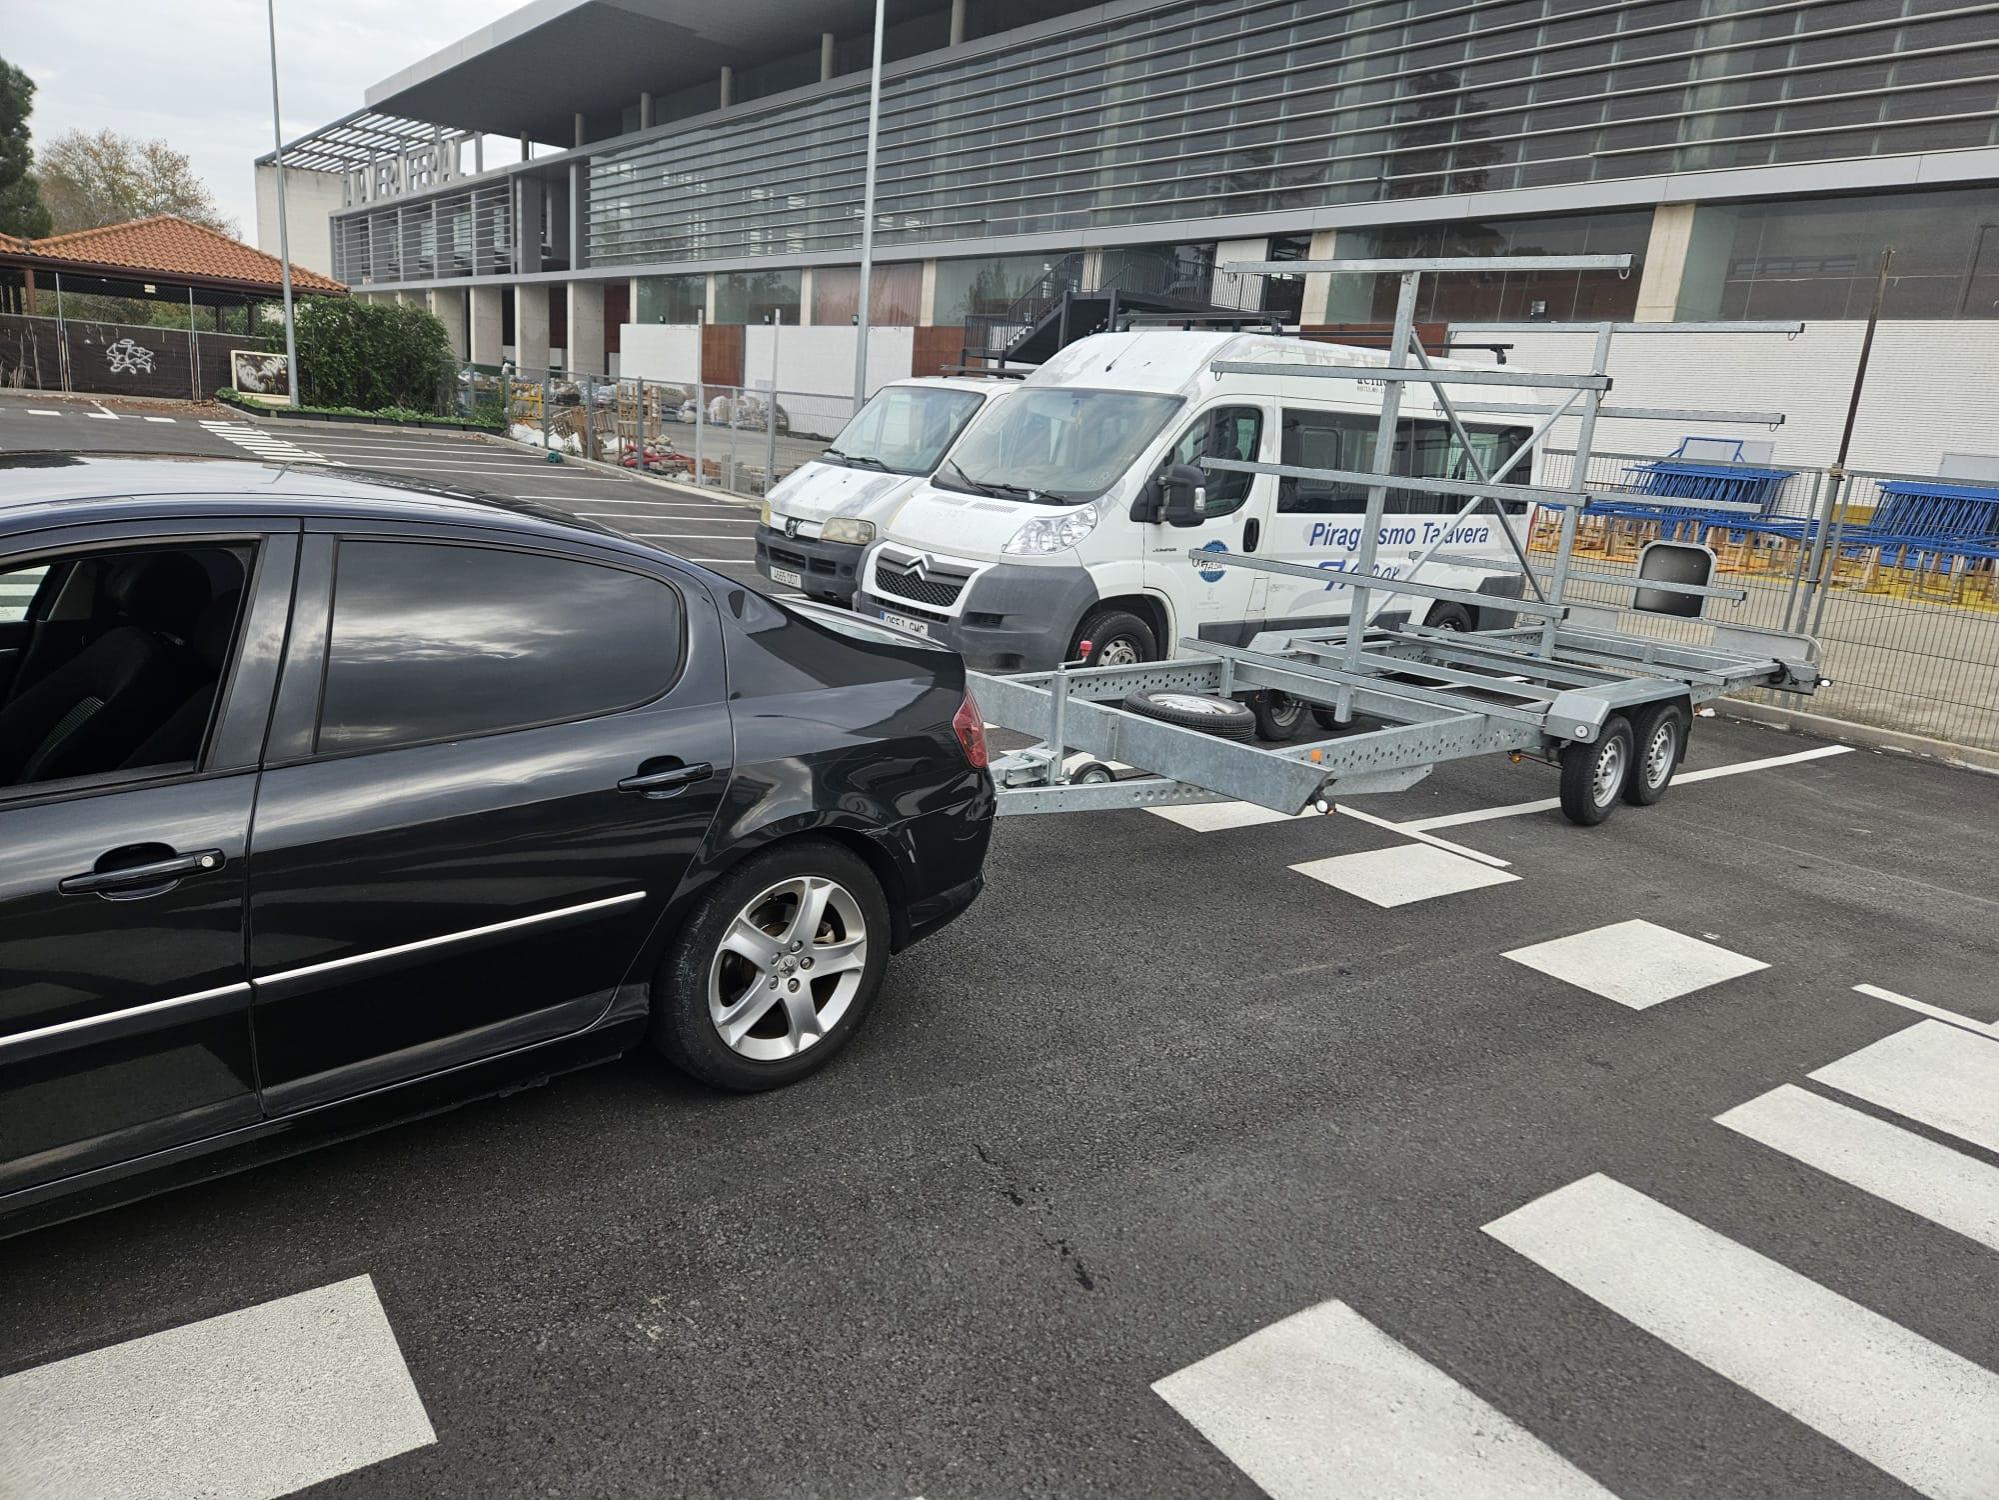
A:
{"points": [[326, 798]]}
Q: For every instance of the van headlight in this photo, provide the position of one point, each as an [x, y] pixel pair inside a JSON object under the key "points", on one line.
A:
{"points": [[764, 515], [846, 529], [1049, 534]]}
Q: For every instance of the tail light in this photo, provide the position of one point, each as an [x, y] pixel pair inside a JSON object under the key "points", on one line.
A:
{"points": [[970, 726]]}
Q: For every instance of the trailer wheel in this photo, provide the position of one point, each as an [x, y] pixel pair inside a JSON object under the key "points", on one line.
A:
{"points": [[1659, 744], [1091, 773], [1594, 773], [1278, 715], [1218, 716], [1450, 616], [1327, 720]]}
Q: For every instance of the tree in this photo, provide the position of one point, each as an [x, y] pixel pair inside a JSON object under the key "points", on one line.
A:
{"points": [[21, 210], [370, 356], [107, 178]]}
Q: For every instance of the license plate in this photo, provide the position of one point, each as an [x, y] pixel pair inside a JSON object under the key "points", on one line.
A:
{"points": [[786, 577], [904, 622]]}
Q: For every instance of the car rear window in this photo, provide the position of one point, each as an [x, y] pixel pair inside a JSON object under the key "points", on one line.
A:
{"points": [[434, 641]]}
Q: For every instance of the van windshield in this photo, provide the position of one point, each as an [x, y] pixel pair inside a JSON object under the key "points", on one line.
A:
{"points": [[904, 429], [1055, 446]]}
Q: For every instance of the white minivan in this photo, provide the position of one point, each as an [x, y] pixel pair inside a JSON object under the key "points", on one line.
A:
{"points": [[818, 520], [1048, 523]]}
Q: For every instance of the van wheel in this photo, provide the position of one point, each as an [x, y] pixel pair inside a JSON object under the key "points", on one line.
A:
{"points": [[1278, 715], [1117, 637], [1595, 772], [774, 969]]}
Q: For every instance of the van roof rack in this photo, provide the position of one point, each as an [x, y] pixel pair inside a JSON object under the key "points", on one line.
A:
{"points": [[1004, 372]]}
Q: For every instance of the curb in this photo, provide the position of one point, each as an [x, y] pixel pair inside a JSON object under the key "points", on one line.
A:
{"points": [[726, 496], [1960, 757], [307, 423]]}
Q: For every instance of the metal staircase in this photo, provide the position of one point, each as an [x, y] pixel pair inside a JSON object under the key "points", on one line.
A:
{"points": [[1059, 308]]}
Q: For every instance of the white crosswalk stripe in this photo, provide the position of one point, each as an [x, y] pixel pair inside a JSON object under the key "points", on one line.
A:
{"points": [[256, 1403], [266, 445], [1920, 1412], [1324, 1404]]}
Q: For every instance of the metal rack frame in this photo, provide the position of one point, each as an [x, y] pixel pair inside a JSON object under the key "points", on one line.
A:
{"points": [[1535, 688]]}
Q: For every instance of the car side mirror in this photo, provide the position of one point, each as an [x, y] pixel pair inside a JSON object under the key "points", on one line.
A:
{"points": [[1183, 491]]}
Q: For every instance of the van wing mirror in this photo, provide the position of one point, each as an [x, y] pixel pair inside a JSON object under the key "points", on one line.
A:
{"points": [[1183, 491]]}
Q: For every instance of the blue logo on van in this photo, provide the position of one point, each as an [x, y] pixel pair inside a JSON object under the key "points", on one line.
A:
{"points": [[1211, 575]]}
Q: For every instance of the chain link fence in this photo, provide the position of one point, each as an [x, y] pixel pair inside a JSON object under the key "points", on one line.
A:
{"points": [[1904, 603]]}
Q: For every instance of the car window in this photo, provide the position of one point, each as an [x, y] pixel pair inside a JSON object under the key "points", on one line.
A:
{"points": [[433, 641], [124, 674], [17, 592], [1225, 432]]}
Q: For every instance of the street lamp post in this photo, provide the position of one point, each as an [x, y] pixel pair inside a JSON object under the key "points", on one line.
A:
{"points": [[868, 217], [284, 233]]}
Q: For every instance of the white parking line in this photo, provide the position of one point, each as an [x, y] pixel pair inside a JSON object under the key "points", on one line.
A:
{"points": [[1324, 1404], [1545, 804], [1423, 838], [43, 411], [1904, 1404], [1402, 874], [1930, 1072], [259, 1403], [1923, 1008], [160, 419], [1909, 1170], [653, 515]]}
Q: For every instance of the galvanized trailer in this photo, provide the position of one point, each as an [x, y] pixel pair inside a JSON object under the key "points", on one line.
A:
{"points": [[1564, 684]]}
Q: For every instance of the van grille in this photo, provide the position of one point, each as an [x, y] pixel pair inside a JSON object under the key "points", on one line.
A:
{"points": [[915, 579]]}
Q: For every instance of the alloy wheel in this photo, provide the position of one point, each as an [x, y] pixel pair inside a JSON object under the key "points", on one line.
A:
{"points": [[788, 968]]}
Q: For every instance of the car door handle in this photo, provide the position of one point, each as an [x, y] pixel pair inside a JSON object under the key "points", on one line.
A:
{"points": [[667, 781], [1252, 533], [148, 879]]}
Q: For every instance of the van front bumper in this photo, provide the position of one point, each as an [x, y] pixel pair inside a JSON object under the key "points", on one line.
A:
{"points": [[826, 570], [1011, 617]]}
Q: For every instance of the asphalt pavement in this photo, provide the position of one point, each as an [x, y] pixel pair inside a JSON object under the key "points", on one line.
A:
{"points": [[1209, 1154]]}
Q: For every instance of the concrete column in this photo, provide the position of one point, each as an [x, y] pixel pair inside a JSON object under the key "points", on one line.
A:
{"points": [[825, 55], [581, 130], [1318, 286], [645, 111], [447, 305], [957, 21], [926, 300], [805, 297], [1665, 262], [488, 318], [728, 85], [531, 326], [585, 354], [708, 302]]}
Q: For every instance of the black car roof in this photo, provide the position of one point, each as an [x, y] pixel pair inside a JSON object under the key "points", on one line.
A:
{"points": [[37, 489]]}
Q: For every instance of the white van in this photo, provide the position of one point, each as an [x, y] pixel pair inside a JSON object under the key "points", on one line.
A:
{"points": [[818, 520], [1047, 525]]}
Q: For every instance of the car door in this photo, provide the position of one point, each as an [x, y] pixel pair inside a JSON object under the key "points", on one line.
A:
{"points": [[490, 762], [124, 1011], [1216, 603]]}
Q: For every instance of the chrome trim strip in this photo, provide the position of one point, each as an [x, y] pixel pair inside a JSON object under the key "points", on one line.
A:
{"points": [[84, 1023], [450, 937]]}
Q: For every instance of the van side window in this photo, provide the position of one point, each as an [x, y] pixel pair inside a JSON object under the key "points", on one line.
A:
{"points": [[1425, 448], [1225, 432]]}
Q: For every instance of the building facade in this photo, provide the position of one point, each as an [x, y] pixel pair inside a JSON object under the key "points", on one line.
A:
{"points": [[1755, 157]]}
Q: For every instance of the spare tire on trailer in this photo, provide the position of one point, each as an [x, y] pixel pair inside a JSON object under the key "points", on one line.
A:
{"points": [[1218, 716]]}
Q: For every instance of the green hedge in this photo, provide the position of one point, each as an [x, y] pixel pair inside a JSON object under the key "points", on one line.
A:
{"points": [[365, 356], [488, 414]]}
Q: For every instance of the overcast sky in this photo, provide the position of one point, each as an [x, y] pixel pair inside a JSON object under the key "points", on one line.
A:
{"points": [[197, 72]]}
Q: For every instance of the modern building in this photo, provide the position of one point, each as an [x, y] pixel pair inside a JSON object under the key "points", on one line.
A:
{"points": [[688, 162]]}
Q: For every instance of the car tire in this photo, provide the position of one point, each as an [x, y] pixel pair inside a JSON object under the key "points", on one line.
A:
{"points": [[1278, 715], [1449, 616], [1659, 744], [1212, 715], [1117, 637], [706, 1016], [1594, 773]]}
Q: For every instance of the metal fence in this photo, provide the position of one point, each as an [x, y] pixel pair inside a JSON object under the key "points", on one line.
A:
{"points": [[117, 359], [1909, 624], [738, 438]]}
